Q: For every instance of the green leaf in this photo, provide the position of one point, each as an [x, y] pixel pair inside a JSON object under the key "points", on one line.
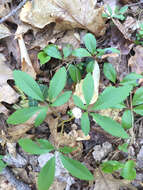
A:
{"points": [[85, 123], [128, 172], [90, 43], [74, 73], [111, 96], [109, 9], [22, 115], [2, 165], [119, 106], [123, 147], [52, 51], [57, 83], [67, 51], [32, 102], [78, 102], [34, 148], [110, 126], [46, 175], [111, 166], [44, 90], [28, 85], [45, 144], [41, 116], [42, 56], [127, 119], [105, 15], [138, 97], [62, 99], [67, 149], [123, 9], [90, 66], [88, 88], [76, 168], [110, 72], [139, 109], [131, 79], [81, 52]]}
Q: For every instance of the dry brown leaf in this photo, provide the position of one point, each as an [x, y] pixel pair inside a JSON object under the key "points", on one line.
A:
{"points": [[76, 14], [7, 94], [25, 59], [4, 31], [136, 61], [107, 181]]}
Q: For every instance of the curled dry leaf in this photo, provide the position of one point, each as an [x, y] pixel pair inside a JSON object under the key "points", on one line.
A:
{"points": [[4, 31], [136, 61], [76, 14], [7, 94], [25, 59], [96, 78]]}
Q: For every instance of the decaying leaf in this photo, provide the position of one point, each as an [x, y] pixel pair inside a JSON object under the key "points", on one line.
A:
{"points": [[136, 61], [25, 59], [7, 94], [4, 31], [96, 78], [107, 181], [76, 14]]}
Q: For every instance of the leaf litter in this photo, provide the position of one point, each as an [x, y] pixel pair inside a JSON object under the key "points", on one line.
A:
{"points": [[64, 23]]}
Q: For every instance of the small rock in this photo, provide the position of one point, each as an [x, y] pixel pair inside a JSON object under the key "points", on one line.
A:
{"points": [[17, 161], [101, 152], [61, 173]]}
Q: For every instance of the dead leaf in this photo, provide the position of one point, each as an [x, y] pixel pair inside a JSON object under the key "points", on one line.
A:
{"points": [[58, 185], [76, 14], [25, 59], [4, 31], [7, 94], [96, 78], [107, 181], [136, 61]]}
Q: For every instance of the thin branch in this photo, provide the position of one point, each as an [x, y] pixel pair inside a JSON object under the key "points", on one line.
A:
{"points": [[13, 12]]}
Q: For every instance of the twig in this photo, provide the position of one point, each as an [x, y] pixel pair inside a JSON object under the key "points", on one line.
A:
{"points": [[13, 12]]}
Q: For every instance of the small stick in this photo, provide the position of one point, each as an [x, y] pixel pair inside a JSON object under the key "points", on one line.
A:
{"points": [[13, 12]]}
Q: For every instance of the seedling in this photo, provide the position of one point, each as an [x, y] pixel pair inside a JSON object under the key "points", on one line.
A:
{"points": [[117, 13], [139, 35], [90, 50], [47, 173]]}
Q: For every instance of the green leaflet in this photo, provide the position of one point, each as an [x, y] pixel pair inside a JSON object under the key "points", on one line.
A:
{"points": [[110, 126], [111, 166], [139, 109], [22, 115], [110, 72], [57, 83], [2, 165], [131, 79], [138, 97], [67, 51], [127, 119], [85, 123], [52, 51], [90, 43], [62, 99], [81, 52], [78, 102], [41, 116], [43, 57], [129, 172], [88, 88], [35, 148], [67, 149], [76, 168], [28, 85], [74, 73], [123, 147], [46, 175], [111, 96]]}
